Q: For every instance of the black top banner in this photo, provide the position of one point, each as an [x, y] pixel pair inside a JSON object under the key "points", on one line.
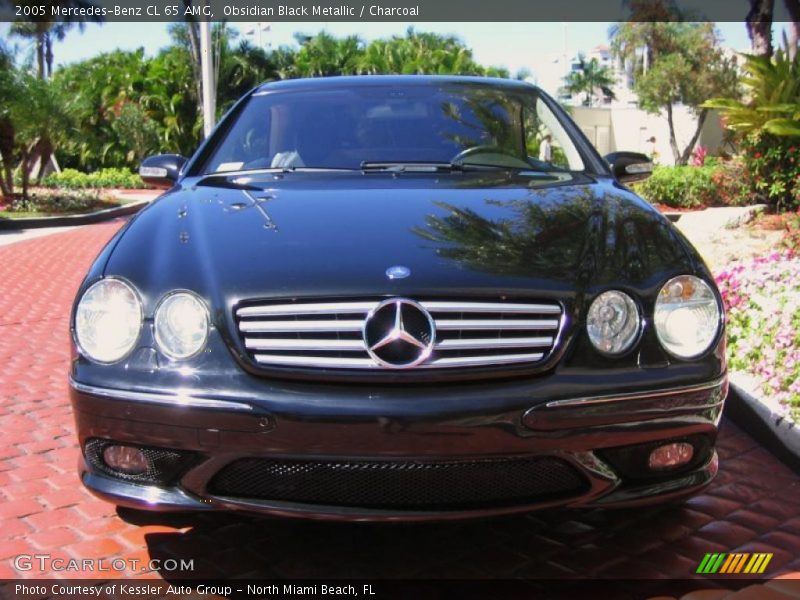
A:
{"points": [[376, 10]]}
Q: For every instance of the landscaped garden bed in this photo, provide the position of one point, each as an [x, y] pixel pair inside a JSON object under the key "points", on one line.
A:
{"points": [[693, 187], [47, 203], [762, 299]]}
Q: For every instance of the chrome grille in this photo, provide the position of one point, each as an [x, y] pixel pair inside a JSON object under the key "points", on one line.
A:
{"points": [[329, 334]]}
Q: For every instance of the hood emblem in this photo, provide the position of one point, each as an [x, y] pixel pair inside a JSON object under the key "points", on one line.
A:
{"points": [[398, 272], [399, 333]]}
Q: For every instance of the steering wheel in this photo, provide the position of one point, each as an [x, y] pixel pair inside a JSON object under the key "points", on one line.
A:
{"points": [[494, 151]]}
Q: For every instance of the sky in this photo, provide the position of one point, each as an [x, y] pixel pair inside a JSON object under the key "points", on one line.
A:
{"points": [[534, 46]]}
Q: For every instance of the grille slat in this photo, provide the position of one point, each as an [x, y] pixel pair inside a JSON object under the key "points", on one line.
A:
{"points": [[492, 307], [321, 308], [328, 335], [496, 324], [304, 345], [481, 343], [308, 326], [476, 361], [401, 485], [319, 362]]}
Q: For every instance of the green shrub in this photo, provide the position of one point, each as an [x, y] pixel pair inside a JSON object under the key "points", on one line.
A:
{"points": [[775, 165], [678, 187], [104, 178], [714, 184]]}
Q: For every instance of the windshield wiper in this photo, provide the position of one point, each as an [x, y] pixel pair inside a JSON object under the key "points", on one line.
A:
{"points": [[393, 166], [434, 167]]}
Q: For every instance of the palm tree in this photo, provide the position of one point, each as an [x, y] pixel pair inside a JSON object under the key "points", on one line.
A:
{"points": [[8, 95], [38, 115], [45, 33], [589, 76]]}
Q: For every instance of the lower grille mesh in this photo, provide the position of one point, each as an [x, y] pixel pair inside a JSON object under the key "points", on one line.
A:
{"points": [[400, 485]]}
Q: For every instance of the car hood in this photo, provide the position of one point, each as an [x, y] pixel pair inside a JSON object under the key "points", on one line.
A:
{"points": [[335, 234]]}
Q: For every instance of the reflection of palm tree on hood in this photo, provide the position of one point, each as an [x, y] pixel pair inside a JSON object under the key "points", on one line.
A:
{"points": [[538, 236], [559, 236]]}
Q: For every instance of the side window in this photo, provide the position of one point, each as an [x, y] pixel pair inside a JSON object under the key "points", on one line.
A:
{"points": [[541, 144], [548, 142]]}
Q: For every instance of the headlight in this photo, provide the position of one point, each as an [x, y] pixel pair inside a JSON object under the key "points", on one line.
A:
{"points": [[108, 321], [613, 322], [181, 325], [687, 316]]}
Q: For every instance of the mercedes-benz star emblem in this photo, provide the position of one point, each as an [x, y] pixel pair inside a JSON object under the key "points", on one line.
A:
{"points": [[398, 272], [399, 333]]}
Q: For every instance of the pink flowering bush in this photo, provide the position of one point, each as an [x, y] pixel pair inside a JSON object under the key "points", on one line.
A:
{"points": [[699, 155], [762, 299]]}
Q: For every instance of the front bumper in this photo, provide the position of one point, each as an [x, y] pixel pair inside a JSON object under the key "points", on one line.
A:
{"points": [[584, 434]]}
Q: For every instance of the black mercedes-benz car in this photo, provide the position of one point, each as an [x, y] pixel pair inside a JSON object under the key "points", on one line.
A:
{"points": [[397, 298]]}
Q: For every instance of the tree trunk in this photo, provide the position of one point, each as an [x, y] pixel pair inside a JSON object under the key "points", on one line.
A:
{"points": [[7, 142], [793, 8], [43, 151], [759, 26], [673, 143], [48, 54], [687, 152], [26, 170], [40, 55]]}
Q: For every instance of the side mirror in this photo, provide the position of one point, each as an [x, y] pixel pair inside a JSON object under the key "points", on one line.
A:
{"points": [[629, 167], [162, 170]]}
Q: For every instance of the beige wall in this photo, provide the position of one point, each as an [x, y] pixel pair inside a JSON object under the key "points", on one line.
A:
{"points": [[623, 128]]}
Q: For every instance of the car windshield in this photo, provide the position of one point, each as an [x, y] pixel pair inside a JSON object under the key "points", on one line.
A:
{"points": [[386, 126]]}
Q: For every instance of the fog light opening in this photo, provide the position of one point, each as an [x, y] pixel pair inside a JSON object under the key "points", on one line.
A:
{"points": [[125, 459], [670, 456]]}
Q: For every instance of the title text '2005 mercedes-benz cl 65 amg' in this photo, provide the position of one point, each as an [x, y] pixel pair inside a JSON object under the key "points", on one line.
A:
{"points": [[397, 298]]}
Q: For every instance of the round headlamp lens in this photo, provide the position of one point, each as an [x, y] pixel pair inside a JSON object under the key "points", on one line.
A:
{"points": [[181, 325], [613, 322], [687, 316], [108, 321]]}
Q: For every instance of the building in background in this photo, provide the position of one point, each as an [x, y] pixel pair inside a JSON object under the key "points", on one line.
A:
{"points": [[613, 121]]}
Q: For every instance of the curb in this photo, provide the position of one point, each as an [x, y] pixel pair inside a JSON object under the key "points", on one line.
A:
{"points": [[773, 431], [72, 220]]}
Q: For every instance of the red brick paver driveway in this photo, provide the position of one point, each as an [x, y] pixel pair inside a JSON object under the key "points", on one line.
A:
{"points": [[751, 507]]}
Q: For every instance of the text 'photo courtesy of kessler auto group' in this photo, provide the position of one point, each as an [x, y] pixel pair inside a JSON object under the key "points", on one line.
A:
{"points": [[430, 300]]}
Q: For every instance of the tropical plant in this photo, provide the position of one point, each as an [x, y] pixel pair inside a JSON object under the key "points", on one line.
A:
{"points": [[9, 93], [589, 78], [768, 126], [773, 97], [38, 116], [45, 32], [420, 54], [95, 92], [324, 55], [241, 69]]}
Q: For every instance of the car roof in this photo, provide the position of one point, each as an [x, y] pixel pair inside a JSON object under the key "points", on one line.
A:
{"points": [[349, 81]]}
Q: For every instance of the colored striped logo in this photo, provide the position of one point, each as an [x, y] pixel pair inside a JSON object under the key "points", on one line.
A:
{"points": [[735, 563]]}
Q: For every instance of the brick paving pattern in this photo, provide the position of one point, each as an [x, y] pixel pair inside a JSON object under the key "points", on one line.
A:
{"points": [[751, 507]]}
